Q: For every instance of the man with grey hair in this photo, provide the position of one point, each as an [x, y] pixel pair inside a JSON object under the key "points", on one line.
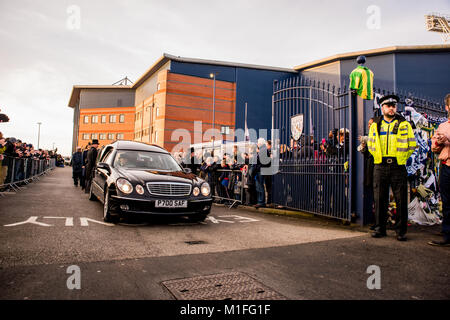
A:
{"points": [[259, 178], [77, 166]]}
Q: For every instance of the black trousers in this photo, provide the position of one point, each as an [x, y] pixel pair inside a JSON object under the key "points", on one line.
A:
{"points": [[268, 182], [395, 176], [77, 175], [444, 188]]}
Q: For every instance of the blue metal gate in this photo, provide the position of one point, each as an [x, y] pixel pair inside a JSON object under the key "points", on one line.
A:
{"points": [[315, 131]]}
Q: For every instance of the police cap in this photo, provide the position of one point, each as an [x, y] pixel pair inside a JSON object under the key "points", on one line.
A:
{"points": [[389, 99]]}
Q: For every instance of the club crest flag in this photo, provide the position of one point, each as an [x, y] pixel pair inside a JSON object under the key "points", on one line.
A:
{"points": [[297, 126]]}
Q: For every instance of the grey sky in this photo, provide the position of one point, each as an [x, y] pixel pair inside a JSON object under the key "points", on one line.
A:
{"points": [[41, 58]]}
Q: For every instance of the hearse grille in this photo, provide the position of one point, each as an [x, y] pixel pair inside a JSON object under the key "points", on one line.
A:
{"points": [[169, 188]]}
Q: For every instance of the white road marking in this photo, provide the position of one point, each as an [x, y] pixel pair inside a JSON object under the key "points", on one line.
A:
{"points": [[240, 218], [69, 220], [31, 220], [85, 222], [212, 219]]}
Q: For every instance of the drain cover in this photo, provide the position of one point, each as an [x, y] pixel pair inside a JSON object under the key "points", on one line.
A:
{"points": [[224, 286]]}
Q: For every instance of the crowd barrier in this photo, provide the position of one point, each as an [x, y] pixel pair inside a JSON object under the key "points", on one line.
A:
{"points": [[232, 191], [15, 172]]}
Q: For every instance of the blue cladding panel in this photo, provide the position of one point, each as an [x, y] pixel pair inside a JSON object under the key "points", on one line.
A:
{"points": [[427, 74], [253, 86], [382, 67], [203, 70]]}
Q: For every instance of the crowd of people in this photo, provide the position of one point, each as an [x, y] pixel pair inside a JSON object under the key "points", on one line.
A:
{"points": [[20, 160], [336, 144], [235, 176], [238, 175]]}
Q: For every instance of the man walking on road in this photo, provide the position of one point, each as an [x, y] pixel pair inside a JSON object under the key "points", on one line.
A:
{"points": [[90, 165], [391, 142], [77, 166], [441, 144]]}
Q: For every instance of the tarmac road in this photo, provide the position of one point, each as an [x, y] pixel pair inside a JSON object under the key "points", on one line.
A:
{"points": [[51, 225]]}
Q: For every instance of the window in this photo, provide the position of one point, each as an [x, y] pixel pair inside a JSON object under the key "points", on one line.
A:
{"points": [[119, 136], [94, 136], [145, 160], [225, 129], [102, 136], [103, 118], [106, 154], [156, 136], [85, 136], [157, 112], [122, 118], [112, 118], [94, 119], [86, 119], [110, 136], [158, 86]]}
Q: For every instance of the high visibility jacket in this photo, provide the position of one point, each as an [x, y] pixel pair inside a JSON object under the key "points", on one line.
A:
{"points": [[394, 139], [361, 79]]}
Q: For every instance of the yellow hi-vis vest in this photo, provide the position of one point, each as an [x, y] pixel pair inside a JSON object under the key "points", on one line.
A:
{"points": [[396, 139]]}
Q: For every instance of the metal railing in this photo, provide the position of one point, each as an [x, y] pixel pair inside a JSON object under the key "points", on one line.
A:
{"points": [[15, 172], [315, 134], [233, 191], [320, 170]]}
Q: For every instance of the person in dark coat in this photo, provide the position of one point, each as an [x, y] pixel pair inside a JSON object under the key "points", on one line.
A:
{"points": [[90, 165], [83, 168], [77, 166]]}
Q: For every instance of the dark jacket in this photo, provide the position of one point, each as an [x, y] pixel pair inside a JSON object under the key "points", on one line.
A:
{"points": [[91, 159], [9, 153], [76, 162]]}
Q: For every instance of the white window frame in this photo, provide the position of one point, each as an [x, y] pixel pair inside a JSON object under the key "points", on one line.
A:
{"points": [[225, 129]]}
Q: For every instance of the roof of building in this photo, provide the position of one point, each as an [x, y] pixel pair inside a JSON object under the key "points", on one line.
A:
{"points": [[374, 52], [76, 89], [168, 57]]}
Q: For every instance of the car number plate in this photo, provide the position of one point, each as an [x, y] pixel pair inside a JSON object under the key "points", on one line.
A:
{"points": [[171, 204]]}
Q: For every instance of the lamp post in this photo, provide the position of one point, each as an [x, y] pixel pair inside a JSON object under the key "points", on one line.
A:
{"points": [[213, 76], [39, 133]]}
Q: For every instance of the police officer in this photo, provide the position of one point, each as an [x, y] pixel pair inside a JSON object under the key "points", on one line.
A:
{"points": [[391, 142]]}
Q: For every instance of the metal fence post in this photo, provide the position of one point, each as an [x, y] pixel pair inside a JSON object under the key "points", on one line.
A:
{"points": [[13, 171], [356, 170]]}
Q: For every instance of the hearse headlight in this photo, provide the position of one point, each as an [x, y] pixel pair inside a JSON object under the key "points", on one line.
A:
{"points": [[139, 189], [205, 189], [124, 185], [196, 191]]}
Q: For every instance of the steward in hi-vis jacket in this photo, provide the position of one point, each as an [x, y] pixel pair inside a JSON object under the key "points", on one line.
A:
{"points": [[391, 142]]}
